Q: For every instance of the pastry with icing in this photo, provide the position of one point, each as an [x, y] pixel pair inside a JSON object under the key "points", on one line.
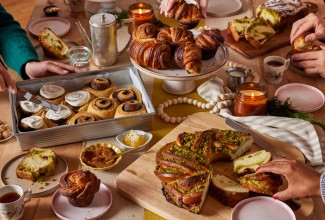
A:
{"points": [[55, 118], [83, 117], [32, 123], [52, 93], [126, 94], [100, 87], [78, 100], [103, 107], [132, 107], [28, 108]]}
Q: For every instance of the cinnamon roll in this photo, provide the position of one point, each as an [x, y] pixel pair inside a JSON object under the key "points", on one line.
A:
{"points": [[83, 117], [55, 118], [28, 108], [79, 186], [126, 94], [52, 93], [78, 100], [32, 123], [103, 107], [133, 107], [100, 87]]}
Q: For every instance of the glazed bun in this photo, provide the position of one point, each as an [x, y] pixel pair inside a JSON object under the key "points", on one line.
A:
{"points": [[299, 45]]}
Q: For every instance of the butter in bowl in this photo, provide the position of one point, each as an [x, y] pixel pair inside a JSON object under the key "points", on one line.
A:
{"points": [[98, 156], [134, 139]]}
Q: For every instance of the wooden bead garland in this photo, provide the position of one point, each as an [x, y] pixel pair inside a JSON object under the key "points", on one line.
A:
{"points": [[215, 105]]}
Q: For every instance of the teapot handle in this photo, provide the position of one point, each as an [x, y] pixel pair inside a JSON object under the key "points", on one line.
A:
{"points": [[125, 21]]}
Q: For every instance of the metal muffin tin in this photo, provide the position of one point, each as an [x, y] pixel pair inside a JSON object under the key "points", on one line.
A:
{"points": [[122, 77]]}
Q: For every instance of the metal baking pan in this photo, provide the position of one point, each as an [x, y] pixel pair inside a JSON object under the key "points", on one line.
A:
{"points": [[122, 77]]}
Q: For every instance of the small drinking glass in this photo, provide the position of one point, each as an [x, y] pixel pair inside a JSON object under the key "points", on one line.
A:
{"points": [[79, 57]]}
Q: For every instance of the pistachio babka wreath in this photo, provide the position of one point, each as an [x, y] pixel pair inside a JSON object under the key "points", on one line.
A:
{"points": [[217, 103]]}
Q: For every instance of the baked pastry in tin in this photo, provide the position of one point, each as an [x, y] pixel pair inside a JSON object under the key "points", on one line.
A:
{"points": [[52, 93], [132, 107], [103, 107], [126, 94], [100, 87]]}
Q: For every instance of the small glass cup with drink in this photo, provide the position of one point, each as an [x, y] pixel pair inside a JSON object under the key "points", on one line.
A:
{"points": [[79, 57]]}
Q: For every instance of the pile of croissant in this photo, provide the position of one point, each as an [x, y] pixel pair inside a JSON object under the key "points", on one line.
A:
{"points": [[161, 49]]}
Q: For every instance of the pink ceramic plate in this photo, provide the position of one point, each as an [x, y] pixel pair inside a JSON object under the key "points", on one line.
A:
{"points": [[262, 207], [303, 97], [59, 26], [99, 206]]}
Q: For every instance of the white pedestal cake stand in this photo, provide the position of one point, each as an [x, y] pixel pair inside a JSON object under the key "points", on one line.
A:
{"points": [[178, 81]]}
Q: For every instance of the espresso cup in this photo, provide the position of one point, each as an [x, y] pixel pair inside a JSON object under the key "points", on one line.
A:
{"points": [[12, 201], [77, 8], [274, 68]]}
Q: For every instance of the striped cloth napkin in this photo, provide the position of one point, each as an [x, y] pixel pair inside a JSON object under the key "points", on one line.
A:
{"points": [[296, 132]]}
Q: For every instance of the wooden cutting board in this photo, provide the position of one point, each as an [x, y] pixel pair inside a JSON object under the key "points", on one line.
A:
{"points": [[138, 182], [247, 50]]}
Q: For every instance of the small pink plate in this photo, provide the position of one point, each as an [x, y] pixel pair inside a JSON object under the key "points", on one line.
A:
{"points": [[262, 207], [303, 97], [99, 206], [59, 26]]}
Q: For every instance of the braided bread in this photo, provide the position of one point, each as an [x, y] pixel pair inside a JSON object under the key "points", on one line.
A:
{"points": [[189, 57], [175, 36], [187, 15], [151, 53], [209, 41], [79, 186], [145, 31]]}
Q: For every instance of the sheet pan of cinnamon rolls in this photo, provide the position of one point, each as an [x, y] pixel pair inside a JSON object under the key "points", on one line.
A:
{"points": [[91, 102]]}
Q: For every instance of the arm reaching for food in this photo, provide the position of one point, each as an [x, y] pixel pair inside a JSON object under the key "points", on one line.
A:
{"points": [[167, 5], [303, 181]]}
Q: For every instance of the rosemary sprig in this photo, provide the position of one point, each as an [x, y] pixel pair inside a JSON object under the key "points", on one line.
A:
{"points": [[280, 108]]}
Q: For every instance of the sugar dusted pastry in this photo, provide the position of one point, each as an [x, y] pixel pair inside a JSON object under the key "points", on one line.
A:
{"points": [[52, 93], [126, 94], [61, 117], [29, 108], [133, 107], [32, 123], [103, 107], [78, 100], [100, 87]]}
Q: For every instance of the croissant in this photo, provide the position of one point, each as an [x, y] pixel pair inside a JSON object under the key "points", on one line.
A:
{"points": [[79, 186], [188, 15], [189, 57], [209, 41], [151, 53], [145, 31], [175, 36]]}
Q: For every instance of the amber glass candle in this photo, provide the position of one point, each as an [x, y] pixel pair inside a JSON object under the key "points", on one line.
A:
{"points": [[141, 13], [251, 99]]}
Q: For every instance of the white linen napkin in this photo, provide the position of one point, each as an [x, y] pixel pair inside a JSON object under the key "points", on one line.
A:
{"points": [[296, 132]]}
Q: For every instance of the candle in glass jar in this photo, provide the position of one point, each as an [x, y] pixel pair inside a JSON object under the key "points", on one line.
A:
{"points": [[141, 13], [251, 99]]}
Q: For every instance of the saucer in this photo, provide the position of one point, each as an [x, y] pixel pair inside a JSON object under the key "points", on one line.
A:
{"points": [[224, 8], [303, 97], [98, 207]]}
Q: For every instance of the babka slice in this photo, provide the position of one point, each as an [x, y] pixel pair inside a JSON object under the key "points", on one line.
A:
{"points": [[237, 27]]}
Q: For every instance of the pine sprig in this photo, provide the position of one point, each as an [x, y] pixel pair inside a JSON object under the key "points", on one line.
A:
{"points": [[280, 108]]}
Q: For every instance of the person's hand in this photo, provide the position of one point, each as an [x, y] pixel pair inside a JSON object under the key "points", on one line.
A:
{"points": [[310, 22], [6, 82], [48, 68], [312, 62], [303, 181], [166, 5]]}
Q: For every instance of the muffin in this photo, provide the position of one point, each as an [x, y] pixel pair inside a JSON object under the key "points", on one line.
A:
{"points": [[52, 93], [79, 186]]}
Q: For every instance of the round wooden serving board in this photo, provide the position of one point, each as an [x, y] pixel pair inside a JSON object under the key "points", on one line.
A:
{"points": [[138, 182]]}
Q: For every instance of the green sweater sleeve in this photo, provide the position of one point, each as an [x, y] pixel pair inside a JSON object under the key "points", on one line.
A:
{"points": [[15, 47]]}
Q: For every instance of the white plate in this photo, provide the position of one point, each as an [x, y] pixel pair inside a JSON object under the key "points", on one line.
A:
{"points": [[49, 184], [226, 8], [42, 56], [303, 97], [98, 207], [59, 26], [208, 68]]}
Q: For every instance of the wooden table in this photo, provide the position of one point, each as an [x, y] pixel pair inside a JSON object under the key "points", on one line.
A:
{"points": [[40, 208]]}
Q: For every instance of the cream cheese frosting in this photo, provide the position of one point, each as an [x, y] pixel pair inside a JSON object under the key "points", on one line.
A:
{"points": [[34, 122], [29, 106], [63, 113], [77, 98], [51, 91]]}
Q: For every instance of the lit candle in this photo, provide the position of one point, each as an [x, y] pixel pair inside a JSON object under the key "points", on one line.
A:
{"points": [[251, 99], [141, 13]]}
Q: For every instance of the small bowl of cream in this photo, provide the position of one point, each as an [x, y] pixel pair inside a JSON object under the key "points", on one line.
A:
{"points": [[134, 139]]}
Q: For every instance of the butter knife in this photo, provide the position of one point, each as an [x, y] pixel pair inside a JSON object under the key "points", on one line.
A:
{"points": [[258, 138], [32, 98]]}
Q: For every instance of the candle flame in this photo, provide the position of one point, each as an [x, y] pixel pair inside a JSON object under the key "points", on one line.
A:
{"points": [[140, 11], [252, 94]]}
